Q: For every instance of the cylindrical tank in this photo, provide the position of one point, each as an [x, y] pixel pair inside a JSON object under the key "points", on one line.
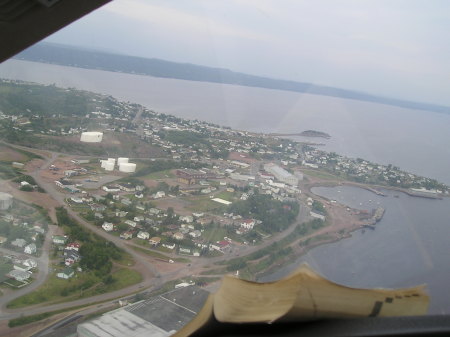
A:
{"points": [[103, 163], [122, 160], [109, 166], [127, 167], [6, 201], [91, 137]]}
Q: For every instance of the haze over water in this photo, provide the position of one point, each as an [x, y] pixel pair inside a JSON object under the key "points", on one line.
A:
{"points": [[416, 141]]}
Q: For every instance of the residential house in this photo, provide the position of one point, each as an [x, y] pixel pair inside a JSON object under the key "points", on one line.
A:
{"points": [[126, 201], [66, 273], [21, 266], [248, 223], [178, 236], [195, 234], [70, 257], [154, 241], [168, 245], [159, 194], [143, 235], [127, 187], [30, 263], [121, 214], [126, 235], [59, 239], [186, 218], [108, 226], [19, 275], [30, 249], [73, 246], [139, 218], [154, 211], [98, 208], [130, 223], [111, 188], [19, 243]]}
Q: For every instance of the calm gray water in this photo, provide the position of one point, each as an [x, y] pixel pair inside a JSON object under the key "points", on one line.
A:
{"points": [[358, 129], [409, 246]]}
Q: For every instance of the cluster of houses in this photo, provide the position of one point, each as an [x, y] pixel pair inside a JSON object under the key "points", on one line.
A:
{"points": [[70, 255], [32, 230], [22, 268]]}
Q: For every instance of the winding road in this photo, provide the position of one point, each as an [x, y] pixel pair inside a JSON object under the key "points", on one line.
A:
{"points": [[152, 278]]}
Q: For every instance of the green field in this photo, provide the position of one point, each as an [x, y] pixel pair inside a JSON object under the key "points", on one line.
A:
{"points": [[203, 204], [56, 290], [321, 175], [159, 175], [159, 255], [225, 195]]}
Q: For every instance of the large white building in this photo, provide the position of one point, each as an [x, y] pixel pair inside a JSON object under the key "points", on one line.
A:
{"points": [[6, 201], [281, 174], [91, 137]]}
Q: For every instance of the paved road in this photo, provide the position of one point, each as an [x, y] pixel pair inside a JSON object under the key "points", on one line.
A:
{"points": [[152, 278], [40, 276]]}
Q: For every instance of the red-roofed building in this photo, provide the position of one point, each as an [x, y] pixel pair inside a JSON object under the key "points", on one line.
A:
{"points": [[73, 246], [248, 223]]}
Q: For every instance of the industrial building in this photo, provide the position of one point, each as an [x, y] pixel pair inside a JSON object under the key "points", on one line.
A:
{"points": [[158, 316], [91, 137], [190, 176], [281, 174], [6, 201]]}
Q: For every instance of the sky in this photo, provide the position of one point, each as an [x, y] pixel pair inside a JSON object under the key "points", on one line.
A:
{"points": [[393, 48]]}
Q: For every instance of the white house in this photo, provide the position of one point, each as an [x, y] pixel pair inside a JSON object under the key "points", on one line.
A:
{"points": [[159, 194], [187, 218], [66, 273], [30, 263], [143, 235], [111, 188], [130, 223], [108, 226], [19, 243], [248, 223], [19, 275], [195, 234], [30, 249]]}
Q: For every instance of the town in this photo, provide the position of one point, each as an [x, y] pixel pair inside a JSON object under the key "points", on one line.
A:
{"points": [[119, 196]]}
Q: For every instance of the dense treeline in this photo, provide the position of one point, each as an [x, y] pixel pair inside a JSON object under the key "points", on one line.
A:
{"points": [[97, 253], [275, 215]]}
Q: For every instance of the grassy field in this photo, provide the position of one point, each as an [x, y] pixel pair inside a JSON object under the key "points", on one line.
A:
{"points": [[214, 234], [56, 290], [321, 175], [159, 175], [228, 196], [159, 255], [204, 204]]}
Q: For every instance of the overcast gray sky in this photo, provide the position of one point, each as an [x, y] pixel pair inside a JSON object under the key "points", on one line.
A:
{"points": [[394, 48]]}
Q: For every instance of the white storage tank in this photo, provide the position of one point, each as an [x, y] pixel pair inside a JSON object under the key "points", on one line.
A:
{"points": [[127, 167], [91, 137], [109, 166], [6, 201], [103, 163], [122, 160]]}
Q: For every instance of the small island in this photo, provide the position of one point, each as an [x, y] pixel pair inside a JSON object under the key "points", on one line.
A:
{"points": [[306, 133], [314, 133]]}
